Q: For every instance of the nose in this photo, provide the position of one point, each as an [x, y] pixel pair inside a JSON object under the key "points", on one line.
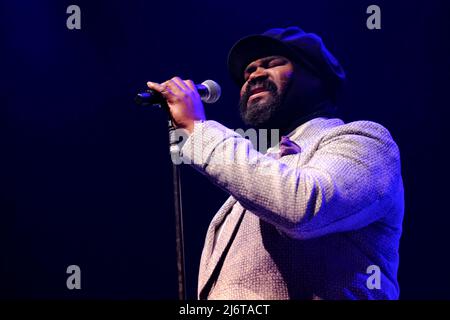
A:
{"points": [[258, 73]]}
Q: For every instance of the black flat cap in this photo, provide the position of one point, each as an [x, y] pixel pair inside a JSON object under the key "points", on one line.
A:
{"points": [[293, 43]]}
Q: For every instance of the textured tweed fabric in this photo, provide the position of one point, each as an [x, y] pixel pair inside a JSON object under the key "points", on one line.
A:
{"points": [[306, 225]]}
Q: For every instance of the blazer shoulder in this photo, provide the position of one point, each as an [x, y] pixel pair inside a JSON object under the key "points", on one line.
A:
{"points": [[366, 136], [365, 128]]}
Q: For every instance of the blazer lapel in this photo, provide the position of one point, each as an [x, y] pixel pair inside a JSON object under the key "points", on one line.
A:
{"points": [[212, 253]]}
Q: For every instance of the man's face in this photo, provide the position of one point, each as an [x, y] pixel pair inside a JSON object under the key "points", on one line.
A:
{"points": [[266, 81]]}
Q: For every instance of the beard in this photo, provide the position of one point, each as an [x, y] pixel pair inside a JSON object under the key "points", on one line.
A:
{"points": [[261, 111], [300, 98]]}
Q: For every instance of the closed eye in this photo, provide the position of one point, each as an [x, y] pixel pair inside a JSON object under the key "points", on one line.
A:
{"points": [[276, 62], [267, 63], [250, 70]]}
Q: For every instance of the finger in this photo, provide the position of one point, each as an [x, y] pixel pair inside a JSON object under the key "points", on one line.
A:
{"points": [[190, 85], [181, 83], [161, 88], [155, 86], [175, 87]]}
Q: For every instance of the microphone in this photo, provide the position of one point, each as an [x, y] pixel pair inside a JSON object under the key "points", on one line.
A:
{"points": [[208, 90]]}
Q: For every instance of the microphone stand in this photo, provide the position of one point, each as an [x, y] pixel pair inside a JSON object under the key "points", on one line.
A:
{"points": [[174, 149], [143, 99]]}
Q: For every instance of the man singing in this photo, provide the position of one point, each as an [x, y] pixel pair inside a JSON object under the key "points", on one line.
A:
{"points": [[317, 217]]}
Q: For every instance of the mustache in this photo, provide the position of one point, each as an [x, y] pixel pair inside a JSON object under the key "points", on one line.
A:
{"points": [[265, 84]]}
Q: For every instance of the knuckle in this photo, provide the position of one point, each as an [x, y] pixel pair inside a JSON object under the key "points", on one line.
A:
{"points": [[184, 95]]}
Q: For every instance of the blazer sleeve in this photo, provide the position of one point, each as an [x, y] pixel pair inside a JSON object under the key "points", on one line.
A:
{"points": [[349, 182]]}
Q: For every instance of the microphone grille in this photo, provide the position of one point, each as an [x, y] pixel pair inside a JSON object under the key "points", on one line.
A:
{"points": [[214, 91]]}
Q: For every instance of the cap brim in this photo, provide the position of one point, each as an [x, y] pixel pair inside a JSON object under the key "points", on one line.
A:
{"points": [[251, 48]]}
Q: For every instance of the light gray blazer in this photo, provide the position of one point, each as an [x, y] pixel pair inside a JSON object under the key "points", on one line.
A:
{"points": [[324, 223]]}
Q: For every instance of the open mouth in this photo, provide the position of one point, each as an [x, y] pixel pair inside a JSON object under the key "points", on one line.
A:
{"points": [[257, 91]]}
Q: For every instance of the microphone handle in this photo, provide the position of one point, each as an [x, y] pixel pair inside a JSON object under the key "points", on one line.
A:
{"points": [[151, 97]]}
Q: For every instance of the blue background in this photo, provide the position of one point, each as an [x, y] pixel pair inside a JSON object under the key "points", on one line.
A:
{"points": [[85, 176]]}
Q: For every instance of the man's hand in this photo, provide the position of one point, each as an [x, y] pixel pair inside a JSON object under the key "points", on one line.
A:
{"points": [[185, 105]]}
